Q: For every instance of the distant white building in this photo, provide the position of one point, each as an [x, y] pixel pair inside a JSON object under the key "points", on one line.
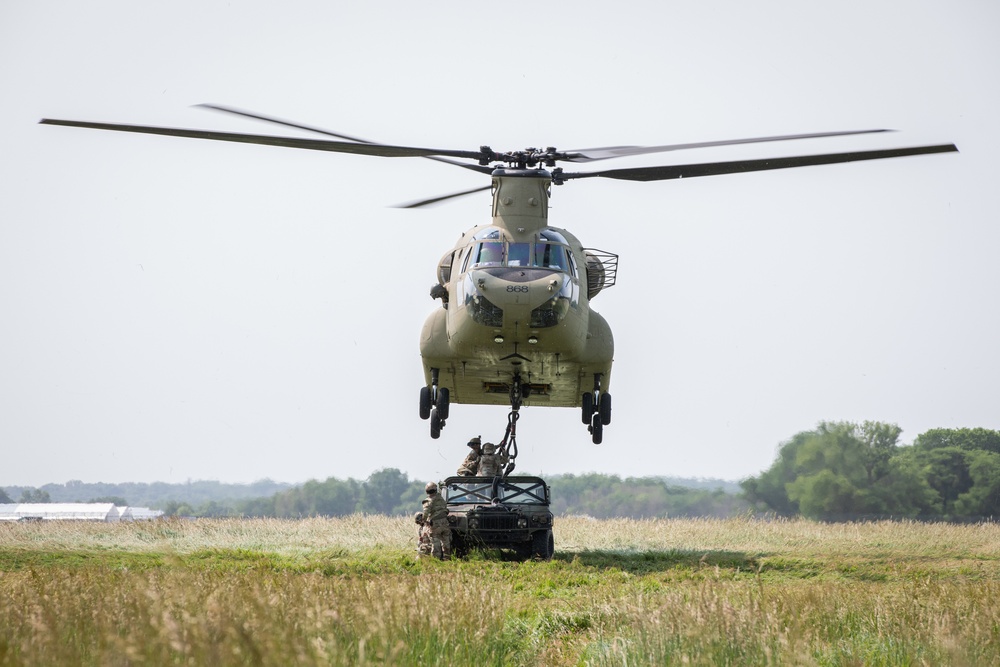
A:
{"points": [[106, 512]]}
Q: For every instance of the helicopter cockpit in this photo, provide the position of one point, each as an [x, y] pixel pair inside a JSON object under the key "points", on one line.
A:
{"points": [[521, 262], [550, 251]]}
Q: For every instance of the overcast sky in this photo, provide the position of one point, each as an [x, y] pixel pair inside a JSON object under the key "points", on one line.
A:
{"points": [[173, 309]]}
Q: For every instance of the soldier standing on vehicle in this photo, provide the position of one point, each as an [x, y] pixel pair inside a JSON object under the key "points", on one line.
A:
{"points": [[471, 463], [424, 545], [491, 463], [436, 513]]}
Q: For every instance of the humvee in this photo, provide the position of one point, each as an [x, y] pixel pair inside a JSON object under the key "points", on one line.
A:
{"points": [[500, 513]]}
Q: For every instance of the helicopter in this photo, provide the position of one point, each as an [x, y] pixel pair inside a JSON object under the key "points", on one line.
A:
{"points": [[515, 321]]}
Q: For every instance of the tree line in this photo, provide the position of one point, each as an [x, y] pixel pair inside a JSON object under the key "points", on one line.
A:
{"points": [[390, 491], [837, 471], [844, 470]]}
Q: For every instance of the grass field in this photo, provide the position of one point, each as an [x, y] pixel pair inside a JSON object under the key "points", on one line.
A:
{"points": [[618, 592]]}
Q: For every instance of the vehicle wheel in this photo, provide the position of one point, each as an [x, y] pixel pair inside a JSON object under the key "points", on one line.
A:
{"points": [[597, 429], [458, 545], [543, 546], [605, 408], [435, 424], [443, 400], [588, 407], [425, 402]]}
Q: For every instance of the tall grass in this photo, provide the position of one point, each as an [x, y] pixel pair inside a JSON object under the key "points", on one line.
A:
{"points": [[352, 591]]}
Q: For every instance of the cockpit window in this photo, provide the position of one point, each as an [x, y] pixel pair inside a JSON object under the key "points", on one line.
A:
{"points": [[551, 256], [517, 254], [487, 253]]}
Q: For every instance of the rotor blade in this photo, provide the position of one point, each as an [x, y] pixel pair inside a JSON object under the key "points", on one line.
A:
{"points": [[381, 150], [438, 200], [319, 130], [593, 154], [279, 121], [717, 168]]}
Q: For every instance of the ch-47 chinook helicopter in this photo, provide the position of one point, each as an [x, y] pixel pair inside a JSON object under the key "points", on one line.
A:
{"points": [[515, 321]]}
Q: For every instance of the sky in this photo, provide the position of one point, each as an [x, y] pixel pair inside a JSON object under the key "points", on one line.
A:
{"points": [[174, 309]]}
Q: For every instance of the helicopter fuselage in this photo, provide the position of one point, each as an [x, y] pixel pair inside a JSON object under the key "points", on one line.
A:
{"points": [[516, 306]]}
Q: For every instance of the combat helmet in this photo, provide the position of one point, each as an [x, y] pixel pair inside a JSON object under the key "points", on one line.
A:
{"points": [[431, 487], [489, 448], [474, 441]]}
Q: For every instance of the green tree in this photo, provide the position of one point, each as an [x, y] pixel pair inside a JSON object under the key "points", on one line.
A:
{"points": [[880, 441], [4, 498], [946, 472], [769, 490], [34, 496], [825, 495], [983, 499], [963, 438], [842, 470], [381, 492]]}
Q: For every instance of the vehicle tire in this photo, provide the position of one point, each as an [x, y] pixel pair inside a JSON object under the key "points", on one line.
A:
{"points": [[435, 424], [458, 545], [443, 401], [425, 402], [597, 429], [543, 546], [605, 408], [588, 407]]}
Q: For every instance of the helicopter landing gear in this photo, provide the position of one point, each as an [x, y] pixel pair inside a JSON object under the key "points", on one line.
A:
{"points": [[434, 404], [596, 410]]}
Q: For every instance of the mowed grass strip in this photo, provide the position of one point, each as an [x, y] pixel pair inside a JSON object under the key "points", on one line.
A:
{"points": [[352, 591]]}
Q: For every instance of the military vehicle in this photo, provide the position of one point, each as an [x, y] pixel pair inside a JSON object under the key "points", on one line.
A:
{"points": [[515, 322], [510, 513]]}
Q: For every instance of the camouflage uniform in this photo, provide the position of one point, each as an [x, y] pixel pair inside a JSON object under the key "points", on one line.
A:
{"points": [[471, 463], [436, 514], [492, 464], [424, 545]]}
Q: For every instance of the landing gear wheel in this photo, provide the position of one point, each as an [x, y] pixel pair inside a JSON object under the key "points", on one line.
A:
{"points": [[443, 400], [597, 429], [435, 424], [605, 408], [425, 402], [588, 407]]}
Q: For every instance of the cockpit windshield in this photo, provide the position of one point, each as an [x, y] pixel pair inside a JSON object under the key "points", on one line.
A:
{"points": [[538, 255], [550, 256], [517, 254]]}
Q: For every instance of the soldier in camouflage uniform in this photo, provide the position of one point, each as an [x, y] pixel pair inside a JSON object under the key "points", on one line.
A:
{"points": [[424, 545], [471, 463], [492, 464], [436, 513]]}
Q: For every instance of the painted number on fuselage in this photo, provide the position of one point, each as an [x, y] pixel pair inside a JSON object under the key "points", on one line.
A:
{"points": [[517, 288]]}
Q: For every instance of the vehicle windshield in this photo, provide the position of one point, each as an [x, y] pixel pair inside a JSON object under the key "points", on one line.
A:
{"points": [[482, 491]]}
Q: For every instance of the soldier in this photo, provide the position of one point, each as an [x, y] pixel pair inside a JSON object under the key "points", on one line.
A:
{"points": [[471, 463], [436, 513], [424, 545], [491, 464]]}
